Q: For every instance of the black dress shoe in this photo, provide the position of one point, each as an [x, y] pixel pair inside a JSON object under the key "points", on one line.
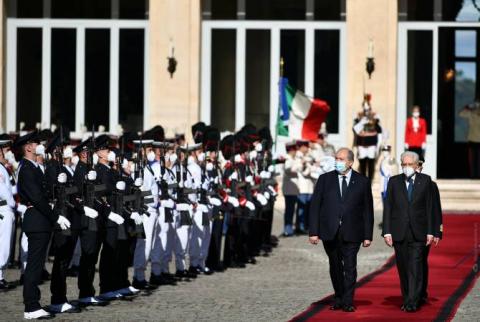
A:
{"points": [[20, 281], [73, 309], [411, 308], [251, 260], [161, 280], [182, 276], [192, 272], [336, 306], [349, 308], [46, 275], [207, 271], [96, 302], [5, 286]]}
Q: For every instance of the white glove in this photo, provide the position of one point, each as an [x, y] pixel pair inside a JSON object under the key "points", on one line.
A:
{"points": [[265, 175], [92, 175], [250, 205], [62, 178], [90, 213], [249, 179], [202, 208], [233, 201], [95, 159], [111, 156], [14, 190], [135, 216], [125, 164], [237, 158], [63, 222], [120, 185], [234, 176], [406, 146], [167, 203], [253, 154], [261, 199], [138, 182], [116, 218], [205, 185], [258, 147], [209, 166], [184, 207], [216, 180], [272, 191], [424, 145], [266, 195], [271, 168], [21, 208], [214, 201]]}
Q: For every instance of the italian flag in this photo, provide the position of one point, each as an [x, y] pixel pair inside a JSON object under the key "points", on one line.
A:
{"points": [[299, 116]]}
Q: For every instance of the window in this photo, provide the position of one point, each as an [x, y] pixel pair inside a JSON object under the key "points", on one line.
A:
{"points": [[275, 10], [29, 76], [257, 78], [131, 79], [63, 72], [419, 73], [327, 73], [328, 9], [457, 10], [223, 79], [97, 77], [292, 50]]}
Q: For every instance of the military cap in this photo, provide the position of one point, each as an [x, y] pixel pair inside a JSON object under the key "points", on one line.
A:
{"points": [[31, 137], [198, 130], [211, 137]]}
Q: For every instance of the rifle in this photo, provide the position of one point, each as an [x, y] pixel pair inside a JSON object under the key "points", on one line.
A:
{"points": [[90, 189], [62, 191], [185, 218]]}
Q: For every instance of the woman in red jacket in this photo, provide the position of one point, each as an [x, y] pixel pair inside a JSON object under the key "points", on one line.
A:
{"points": [[416, 133]]}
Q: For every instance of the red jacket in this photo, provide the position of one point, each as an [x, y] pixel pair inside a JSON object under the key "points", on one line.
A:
{"points": [[413, 138]]}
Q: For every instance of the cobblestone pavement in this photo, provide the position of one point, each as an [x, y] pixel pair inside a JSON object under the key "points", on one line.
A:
{"points": [[275, 289]]}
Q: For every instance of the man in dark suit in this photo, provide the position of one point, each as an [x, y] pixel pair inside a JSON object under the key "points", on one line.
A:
{"points": [[38, 222], [437, 235], [408, 225], [342, 217]]}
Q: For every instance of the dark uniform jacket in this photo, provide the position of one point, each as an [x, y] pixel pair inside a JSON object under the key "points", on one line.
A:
{"points": [[355, 210], [399, 214], [32, 189]]}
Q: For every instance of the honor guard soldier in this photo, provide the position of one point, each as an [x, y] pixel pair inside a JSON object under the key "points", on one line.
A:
{"points": [[39, 221]]}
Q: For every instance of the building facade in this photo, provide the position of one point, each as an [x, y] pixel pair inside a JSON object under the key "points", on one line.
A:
{"points": [[84, 63]]}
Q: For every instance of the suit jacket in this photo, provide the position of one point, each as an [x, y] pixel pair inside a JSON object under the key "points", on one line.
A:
{"points": [[437, 211], [416, 139], [399, 213], [355, 210], [32, 188]]}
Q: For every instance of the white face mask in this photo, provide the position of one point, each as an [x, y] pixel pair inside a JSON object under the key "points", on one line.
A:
{"points": [[191, 160], [408, 171], [201, 157], [151, 156], [258, 147], [95, 159], [209, 166], [416, 114], [132, 167], [173, 158], [125, 164], [253, 155], [75, 160], [111, 156], [40, 150], [10, 157]]}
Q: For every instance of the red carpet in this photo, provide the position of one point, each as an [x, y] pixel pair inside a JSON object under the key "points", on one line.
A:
{"points": [[451, 277]]}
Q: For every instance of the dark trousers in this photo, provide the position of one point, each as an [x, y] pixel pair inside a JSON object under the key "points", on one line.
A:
{"points": [[64, 247], [108, 268], [89, 243], [424, 293], [342, 257], [290, 202], [215, 247], [303, 207], [123, 262], [367, 168], [409, 254], [37, 252], [419, 151]]}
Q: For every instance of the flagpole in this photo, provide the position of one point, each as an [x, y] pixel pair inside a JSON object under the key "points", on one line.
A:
{"points": [[282, 64]]}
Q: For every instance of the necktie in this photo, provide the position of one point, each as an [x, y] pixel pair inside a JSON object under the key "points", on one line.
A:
{"points": [[344, 186], [410, 189]]}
